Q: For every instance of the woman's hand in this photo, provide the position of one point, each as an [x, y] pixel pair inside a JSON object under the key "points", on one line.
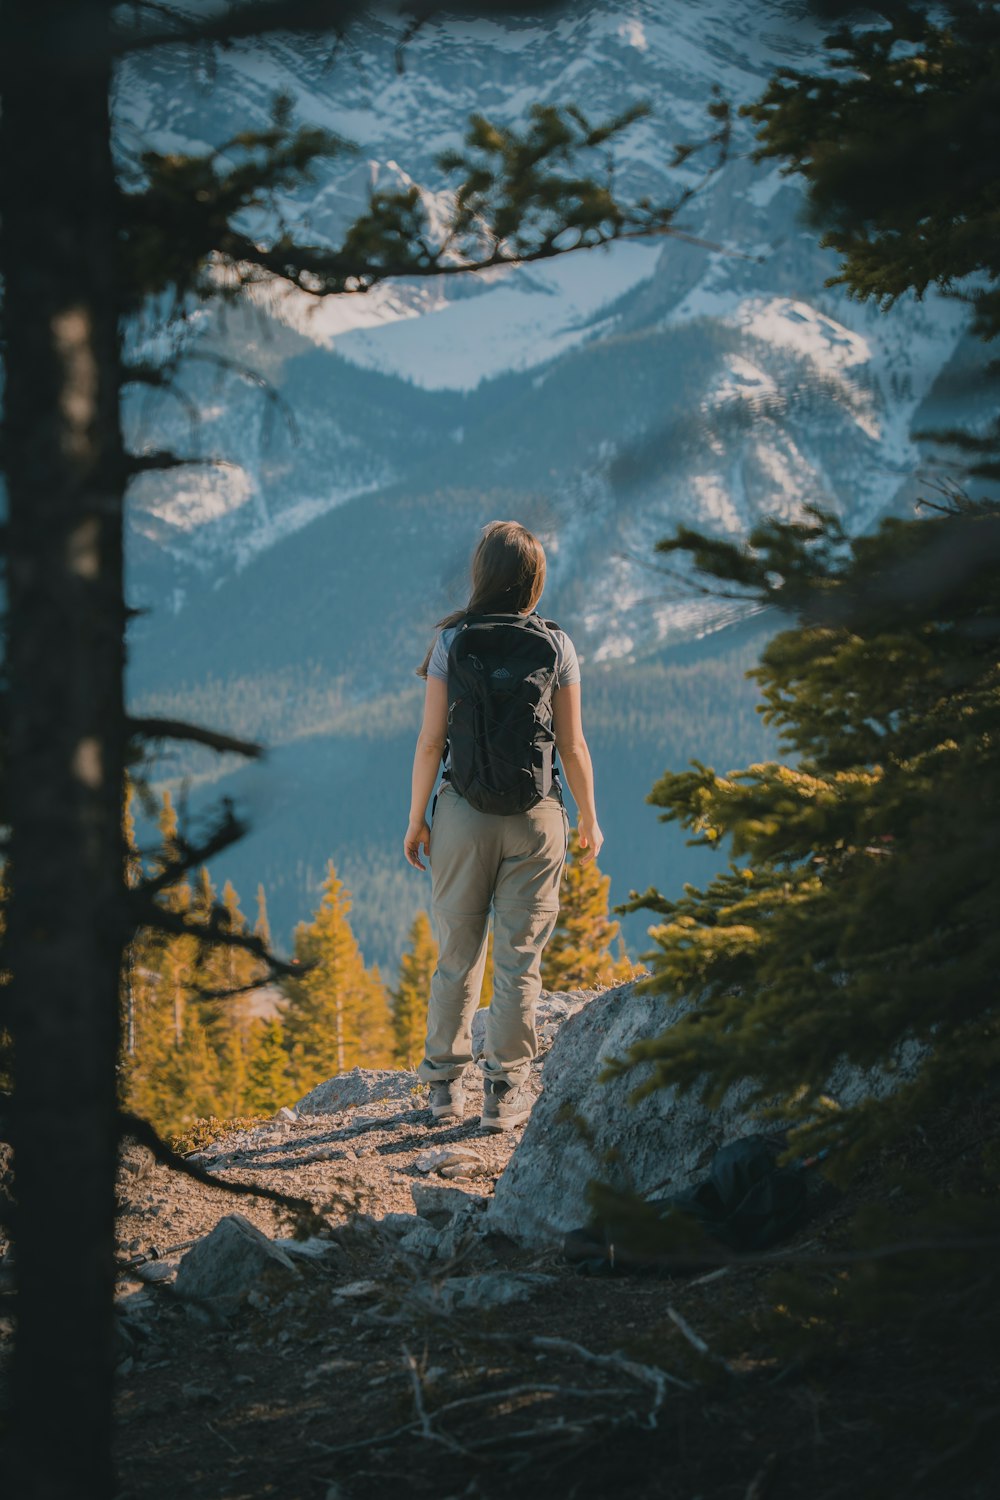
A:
{"points": [[417, 833], [591, 839]]}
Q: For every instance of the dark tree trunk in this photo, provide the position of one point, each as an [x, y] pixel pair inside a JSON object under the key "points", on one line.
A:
{"points": [[65, 657]]}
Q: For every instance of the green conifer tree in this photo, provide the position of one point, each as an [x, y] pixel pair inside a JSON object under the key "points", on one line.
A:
{"points": [[375, 1035], [209, 962], [234, 971], [190, 1037], [160, 969], [579, 953], [268, 1085], [861, 915], [262, 926], [324, 1020], [193, 1076], [409, 1014]]}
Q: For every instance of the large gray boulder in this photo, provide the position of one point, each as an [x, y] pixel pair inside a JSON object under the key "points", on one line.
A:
{"points": [[372, 1085], [225, 1267], [359, 1086], [582, 1129]]}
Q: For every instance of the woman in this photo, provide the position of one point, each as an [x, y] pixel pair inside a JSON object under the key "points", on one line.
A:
{"points": [[479, 859]]}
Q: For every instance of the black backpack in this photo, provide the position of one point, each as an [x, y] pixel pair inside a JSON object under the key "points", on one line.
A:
{"points": [[747, 1201], [501, 677]]}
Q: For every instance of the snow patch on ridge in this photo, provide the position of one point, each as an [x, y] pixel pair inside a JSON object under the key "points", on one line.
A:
{"points": [[528, 315], [790, 324], [201, 498], [633, 33]]}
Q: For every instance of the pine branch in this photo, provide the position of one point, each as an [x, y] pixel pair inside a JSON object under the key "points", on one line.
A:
{"points": [[317, 16], [150, 915], [189, 856], [321, 272], [196, 992], [256, 19], [177, 729], [521, 201]]}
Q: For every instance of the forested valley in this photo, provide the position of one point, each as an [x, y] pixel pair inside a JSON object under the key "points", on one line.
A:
{"points": [[208, 1043]]}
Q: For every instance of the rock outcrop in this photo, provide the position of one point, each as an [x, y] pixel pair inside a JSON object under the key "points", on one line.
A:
{"points": [[582, 1128], [229, 1265], [359, 1086], [364, 1148]]}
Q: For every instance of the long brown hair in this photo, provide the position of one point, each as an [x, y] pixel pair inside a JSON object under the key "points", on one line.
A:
{"points": [[508, 576]]}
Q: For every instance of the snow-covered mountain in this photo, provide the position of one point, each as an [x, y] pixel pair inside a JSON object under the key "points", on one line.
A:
{"points": [[797, 394], [602, 398]]}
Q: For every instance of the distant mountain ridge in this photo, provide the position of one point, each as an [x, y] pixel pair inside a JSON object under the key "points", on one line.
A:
{"points": [[602, 399], [805, 395]]}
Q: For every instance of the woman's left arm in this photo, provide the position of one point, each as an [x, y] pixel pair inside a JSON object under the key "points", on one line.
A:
{"points": [[426, 762]]}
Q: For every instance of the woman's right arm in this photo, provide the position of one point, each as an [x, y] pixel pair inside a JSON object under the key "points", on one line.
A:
{"points": [[567, 724], [426, 764]]}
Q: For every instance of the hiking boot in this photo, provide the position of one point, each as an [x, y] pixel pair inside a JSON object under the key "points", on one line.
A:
{"points": [[448, 1099], [505, 1105]]}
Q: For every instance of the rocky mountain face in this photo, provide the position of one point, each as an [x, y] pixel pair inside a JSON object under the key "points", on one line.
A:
{"points": [[601, 398], [658, 381]]}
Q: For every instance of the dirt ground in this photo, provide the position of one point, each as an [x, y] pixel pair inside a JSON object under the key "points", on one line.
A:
{"points": [[364, 1376]]}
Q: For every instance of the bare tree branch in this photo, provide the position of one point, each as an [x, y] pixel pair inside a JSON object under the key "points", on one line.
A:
{"points": [[187, 856], [318, 16], [146, 1134], [150, 914], [144, 463], [177, 729], [311, 268], [239, 22]]}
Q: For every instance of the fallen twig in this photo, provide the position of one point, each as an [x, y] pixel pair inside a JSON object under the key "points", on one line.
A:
{"points": [[695, 1339], [368, 1442], [424, 1420], [761, 1481], [222, 1437], [136, 1262], [550, 1431], [711, 1276], [423, 1417], [646, 1374], [574, 1393], [649, 1375]]}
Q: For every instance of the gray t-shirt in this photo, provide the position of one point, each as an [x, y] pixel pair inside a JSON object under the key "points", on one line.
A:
{"points": [[567, 666]]}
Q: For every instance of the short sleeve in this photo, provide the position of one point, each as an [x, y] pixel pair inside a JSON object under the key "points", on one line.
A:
{"points": [[567, 665], [438, 664]]}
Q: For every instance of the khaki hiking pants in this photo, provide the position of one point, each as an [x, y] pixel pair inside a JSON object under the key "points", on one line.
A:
{"points": [[513, 864]]}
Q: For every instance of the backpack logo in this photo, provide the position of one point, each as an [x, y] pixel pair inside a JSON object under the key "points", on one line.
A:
{"points": [[500, 672]]}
